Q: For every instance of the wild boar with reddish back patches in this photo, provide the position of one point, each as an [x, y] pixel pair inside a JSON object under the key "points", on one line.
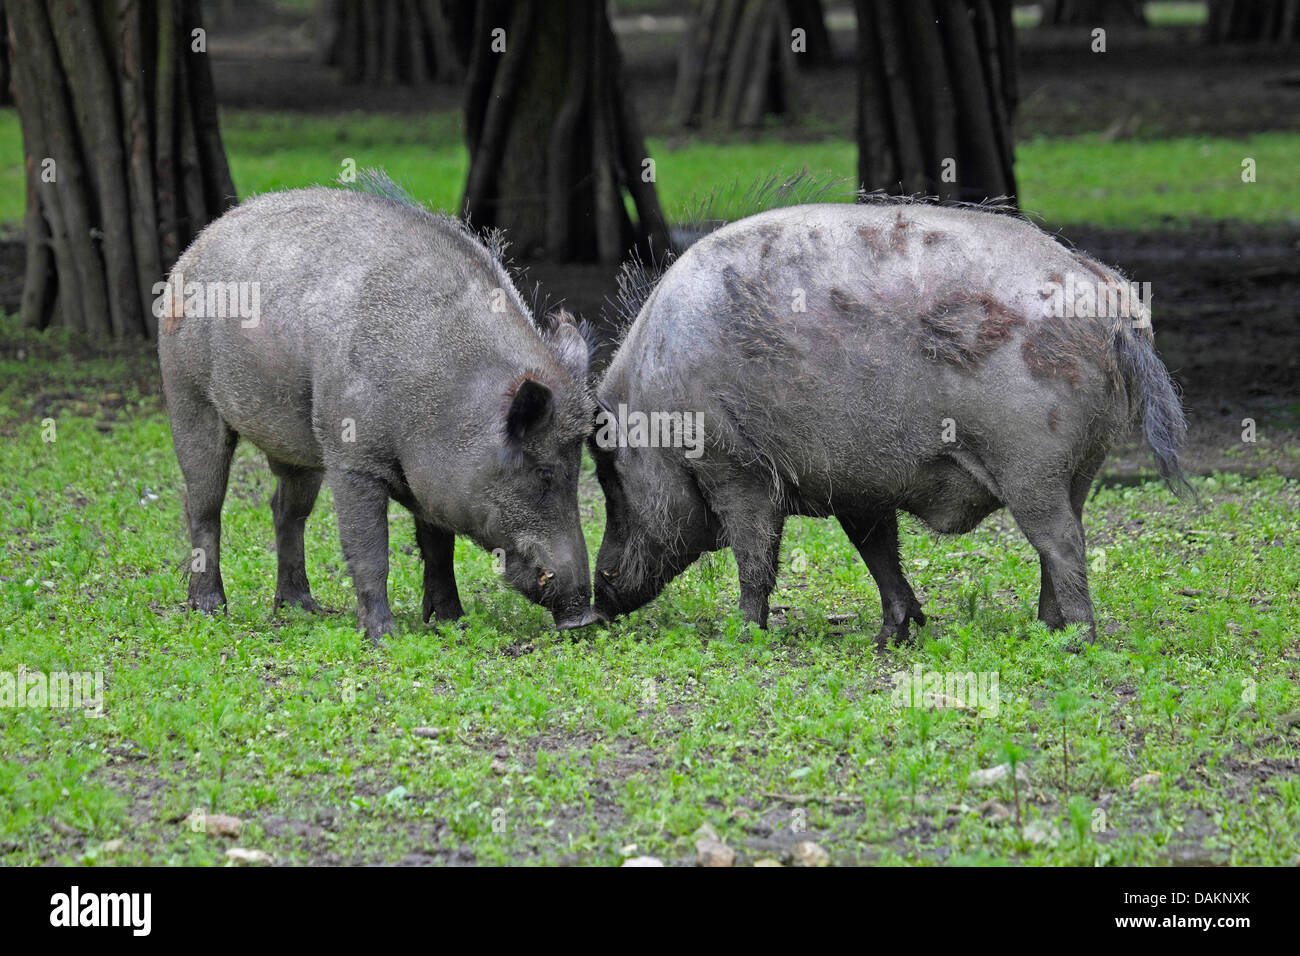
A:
{"points": [[857, 360]]}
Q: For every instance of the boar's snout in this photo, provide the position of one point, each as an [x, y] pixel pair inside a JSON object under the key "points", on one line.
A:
{"points": [[559, 582], [584, 618]]}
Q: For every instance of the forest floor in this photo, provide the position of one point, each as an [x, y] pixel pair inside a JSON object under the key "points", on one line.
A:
{"points": [[1172, 740]]}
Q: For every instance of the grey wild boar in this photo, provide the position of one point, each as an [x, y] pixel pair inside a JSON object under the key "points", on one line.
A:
{"points": [[390, 355], [855, 360]]}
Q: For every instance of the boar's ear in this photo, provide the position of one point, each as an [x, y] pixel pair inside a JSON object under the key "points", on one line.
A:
{"points": [[529, 407], [570, 347]]}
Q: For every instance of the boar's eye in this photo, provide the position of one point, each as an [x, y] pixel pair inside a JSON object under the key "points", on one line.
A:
{"points": [[546, 473]]}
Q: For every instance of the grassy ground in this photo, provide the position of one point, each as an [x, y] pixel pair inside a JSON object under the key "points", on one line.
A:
{"points": [[1131, 183], [549, 748]]}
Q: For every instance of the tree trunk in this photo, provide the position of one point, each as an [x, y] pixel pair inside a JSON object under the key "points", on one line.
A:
{"points": [[737, 65], [123, 156], [1253, 21], [555, 149], [936, 92], [1093, 13], [394, 42], [6, 97], [808, 15]]}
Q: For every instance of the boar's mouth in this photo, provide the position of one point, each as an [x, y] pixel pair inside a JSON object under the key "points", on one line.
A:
{"points": [[580, 617], [611, 601]]}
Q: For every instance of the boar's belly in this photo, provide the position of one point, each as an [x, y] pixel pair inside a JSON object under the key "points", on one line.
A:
{"points": [[949, 498], [276, 419]]}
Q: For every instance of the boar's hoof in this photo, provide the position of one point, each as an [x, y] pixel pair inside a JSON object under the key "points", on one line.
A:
{"points": [[574, 621], [304, 601], [380, 628], [899, 632], [444, 610], [208, 602], [1078, 642]]}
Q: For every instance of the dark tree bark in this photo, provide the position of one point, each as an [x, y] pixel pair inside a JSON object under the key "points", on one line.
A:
{"points": [[738, 66], [808, 15], [6, 97], [395, 42], [555, 148], [936, 92], [1093, 13], [123, 156], [1253, 21]]}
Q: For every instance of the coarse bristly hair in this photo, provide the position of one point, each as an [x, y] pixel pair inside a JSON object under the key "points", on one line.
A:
{"points": [[375, 181], [706, 214]]}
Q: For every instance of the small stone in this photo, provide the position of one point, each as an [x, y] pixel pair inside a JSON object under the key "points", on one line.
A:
{"points": [[241, 855], [986, 778], [706, 832], [500, 767], [809, 853], [214, 824], [714, 853], [1146, 780], [429, 733], [643, 861], [710, 850], [768, 861], [993, 811], [111, 846], [1039, 832]]}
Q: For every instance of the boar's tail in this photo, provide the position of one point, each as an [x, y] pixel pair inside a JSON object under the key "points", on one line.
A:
{"points": [[377, 182], [1150, 388]]}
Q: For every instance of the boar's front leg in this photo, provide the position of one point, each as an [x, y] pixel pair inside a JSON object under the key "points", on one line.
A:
{"points": [[752, 527], [440, 594], [295, 496], [876, 539], [362, 505]]}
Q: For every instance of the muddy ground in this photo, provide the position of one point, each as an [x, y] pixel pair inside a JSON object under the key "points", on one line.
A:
{"points": [[1226, 296]]}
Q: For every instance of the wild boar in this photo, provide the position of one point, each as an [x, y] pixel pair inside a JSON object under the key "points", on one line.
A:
{"points": [[854, 360], [390, 355]]}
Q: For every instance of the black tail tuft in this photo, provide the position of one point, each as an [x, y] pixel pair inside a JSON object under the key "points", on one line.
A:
{"points": [[1163, 422]]}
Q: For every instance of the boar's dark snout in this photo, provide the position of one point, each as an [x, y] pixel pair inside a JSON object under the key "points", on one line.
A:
{"points": [[583, 618]]}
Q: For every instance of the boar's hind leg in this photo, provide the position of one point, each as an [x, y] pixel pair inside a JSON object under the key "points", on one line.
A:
{"points": [[1055, 529], [204, 446], [440, 594], [295, 496], [1049, 610], [362, 505], [876, 539]]}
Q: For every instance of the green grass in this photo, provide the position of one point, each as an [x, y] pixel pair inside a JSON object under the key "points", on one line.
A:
{"points": [[553, 748], [1165, 13], [1124, 183]]}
